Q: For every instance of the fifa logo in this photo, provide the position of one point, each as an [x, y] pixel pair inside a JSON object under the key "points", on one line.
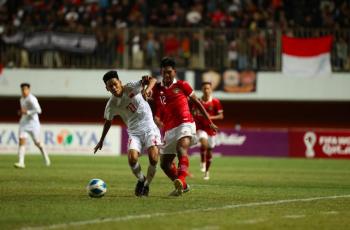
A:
{"points": [[310, 141]]}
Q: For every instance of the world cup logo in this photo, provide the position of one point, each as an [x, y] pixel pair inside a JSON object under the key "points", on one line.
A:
{"points": [[310, 141]]}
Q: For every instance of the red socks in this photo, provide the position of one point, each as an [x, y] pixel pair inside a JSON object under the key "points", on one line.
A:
{"points": [[183, 168]]}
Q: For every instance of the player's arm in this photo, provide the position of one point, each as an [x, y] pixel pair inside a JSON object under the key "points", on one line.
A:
{"points": [[219, 111], [219, 116], [199, 105], [35, 108], [148, 82], [106, 127]]}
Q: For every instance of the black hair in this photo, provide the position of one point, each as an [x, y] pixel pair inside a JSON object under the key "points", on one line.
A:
{"points": [[109, 75], [25, 85], [167, 61], [206, 83]]}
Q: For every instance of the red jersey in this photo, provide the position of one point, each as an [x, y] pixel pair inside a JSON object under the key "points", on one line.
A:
{"points": [[172, 104], [213, 108]]}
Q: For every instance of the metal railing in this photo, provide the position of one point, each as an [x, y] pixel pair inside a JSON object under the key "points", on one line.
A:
{"points": [[195, 48]]}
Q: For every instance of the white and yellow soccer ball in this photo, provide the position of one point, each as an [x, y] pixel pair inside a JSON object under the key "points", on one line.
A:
{"points": [[96, 188]]}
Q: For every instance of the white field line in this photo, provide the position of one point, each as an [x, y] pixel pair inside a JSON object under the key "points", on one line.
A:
{"points": [[207, 228], [158, 214], [252, 221], [294, 216], [330, 213]]}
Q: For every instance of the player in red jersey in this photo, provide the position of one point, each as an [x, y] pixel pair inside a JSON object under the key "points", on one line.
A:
{"points": [[205, 134], [172, 113]]}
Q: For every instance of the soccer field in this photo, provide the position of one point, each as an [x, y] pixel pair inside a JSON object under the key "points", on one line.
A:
{"points": [[243, 193]]}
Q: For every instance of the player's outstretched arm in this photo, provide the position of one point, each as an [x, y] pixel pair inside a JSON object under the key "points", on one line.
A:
{"points": [[106, 127], [148, 82], [199, 105]]}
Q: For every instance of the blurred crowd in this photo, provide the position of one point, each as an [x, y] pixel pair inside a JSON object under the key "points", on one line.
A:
{"points": [[247, 28], [74, 14]]}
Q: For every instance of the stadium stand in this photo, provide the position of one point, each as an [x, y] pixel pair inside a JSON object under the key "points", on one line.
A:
{"points": [[135, 34]]}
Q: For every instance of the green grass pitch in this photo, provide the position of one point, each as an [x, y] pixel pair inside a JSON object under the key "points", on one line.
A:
{"points": [[243, 193]]}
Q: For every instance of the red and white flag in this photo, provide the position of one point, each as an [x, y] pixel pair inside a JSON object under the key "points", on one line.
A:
{"points": [[307, 57]]}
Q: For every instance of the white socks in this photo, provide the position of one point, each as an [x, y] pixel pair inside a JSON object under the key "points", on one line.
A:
{"points": [[21, 152], [136, 170]]}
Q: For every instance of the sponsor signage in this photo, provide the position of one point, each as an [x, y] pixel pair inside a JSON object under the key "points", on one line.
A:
{"points": [[231, 142], [63, 139], [319, 143]]}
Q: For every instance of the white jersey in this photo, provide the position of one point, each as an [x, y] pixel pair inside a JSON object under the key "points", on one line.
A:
{"points": [[132, 108], [31, 104]]}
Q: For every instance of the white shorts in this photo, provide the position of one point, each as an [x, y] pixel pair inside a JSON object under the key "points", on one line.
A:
{"points": [[201, 134], [142, 142], [173, 135], [33, 130]]}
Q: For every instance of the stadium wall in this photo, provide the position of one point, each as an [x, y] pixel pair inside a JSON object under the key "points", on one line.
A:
{"points": [[78, 96], [272, 86]]}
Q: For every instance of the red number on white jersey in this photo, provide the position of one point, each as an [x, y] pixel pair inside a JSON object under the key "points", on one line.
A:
{"points": [[132, 107]]}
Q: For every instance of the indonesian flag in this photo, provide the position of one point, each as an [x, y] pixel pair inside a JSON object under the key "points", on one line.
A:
{"points": [[306, 57]]}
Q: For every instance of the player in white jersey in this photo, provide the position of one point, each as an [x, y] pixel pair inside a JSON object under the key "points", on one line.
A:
{"points": [[127, 102], [29, 125]]}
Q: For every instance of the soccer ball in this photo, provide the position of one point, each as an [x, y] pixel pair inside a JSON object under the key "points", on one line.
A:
{"points": [[96, 188]]}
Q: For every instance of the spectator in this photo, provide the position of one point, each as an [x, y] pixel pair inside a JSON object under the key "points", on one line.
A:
{"points": [[171, 45], [152, 47]]}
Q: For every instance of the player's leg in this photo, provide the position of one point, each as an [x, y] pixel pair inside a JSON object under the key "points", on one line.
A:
{"points": [[202, 154], [203, 140], [133, 156], [186, 136], [152, 167], [168, 154], [136, 170], [36, 139], [183, 145], [153, 154], [23, 135], [134, 164], [21, 149], [152, 141], [211, 145], [168, 165]]}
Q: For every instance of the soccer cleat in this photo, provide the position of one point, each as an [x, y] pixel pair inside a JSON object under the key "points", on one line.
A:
{"points": [[48, 163], [174, 193], [178, 188], [139, 188], [19, 166], [206, 176], [145, 190], [187, 189]]}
